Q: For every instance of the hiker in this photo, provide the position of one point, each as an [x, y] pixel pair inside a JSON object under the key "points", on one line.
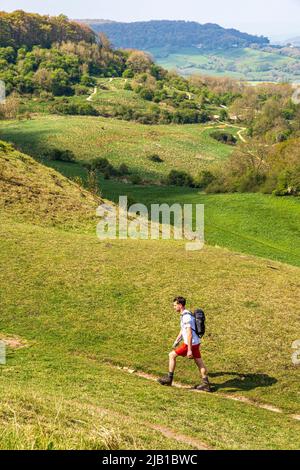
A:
{"points": [[190, 347]]}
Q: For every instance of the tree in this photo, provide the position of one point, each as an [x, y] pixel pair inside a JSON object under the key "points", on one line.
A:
{"points": [[60, 83], [139, 62], [104, 41], [10, 108]]}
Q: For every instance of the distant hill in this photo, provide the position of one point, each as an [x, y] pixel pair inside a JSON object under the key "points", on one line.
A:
{"points": [[294, 41], [207, 49], [173, 35]]}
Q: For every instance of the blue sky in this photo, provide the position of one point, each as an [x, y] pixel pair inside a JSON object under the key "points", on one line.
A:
{"points": [[270, 17]]}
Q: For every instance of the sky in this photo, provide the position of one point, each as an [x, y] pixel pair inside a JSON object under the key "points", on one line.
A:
{"points": [[273, 18]]}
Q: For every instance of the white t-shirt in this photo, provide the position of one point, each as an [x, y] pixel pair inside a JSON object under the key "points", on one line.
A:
{"points": [[187, 320]]}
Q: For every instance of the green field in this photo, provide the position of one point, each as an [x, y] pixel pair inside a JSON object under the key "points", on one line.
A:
{"points": [[186, 147], [63, 293], [247, 64], [60, 392], [87, 321], [76, 311], [111, 93], [257, 224]]}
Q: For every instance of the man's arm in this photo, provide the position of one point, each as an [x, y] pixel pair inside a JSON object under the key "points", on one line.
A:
{"points": [[190, 343]]}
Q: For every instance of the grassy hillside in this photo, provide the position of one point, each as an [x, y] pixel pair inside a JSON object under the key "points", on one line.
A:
{"points": [[28, 189], [250, 223], [62, 296], [88, 323], [240, 63], [187, 147], [257, 224]]}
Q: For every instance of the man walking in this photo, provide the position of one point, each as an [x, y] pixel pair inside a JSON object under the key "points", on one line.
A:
{"points": [[190, 347]]}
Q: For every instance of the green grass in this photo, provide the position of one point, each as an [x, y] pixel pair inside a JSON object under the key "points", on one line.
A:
{"points": [[113, 94], [186, 147], [65, 294], [243, 64], [258, 224], [76, 306]]}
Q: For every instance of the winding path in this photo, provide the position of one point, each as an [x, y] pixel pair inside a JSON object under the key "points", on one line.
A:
{"points": [[90, 98]]}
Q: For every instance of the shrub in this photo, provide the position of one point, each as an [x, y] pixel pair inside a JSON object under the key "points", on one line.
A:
{"points": [[283, 136], [82, 109], [92, 182], [60, 155], [123, 169], [101, 164], [60, 83], [129, 73], [107, 169], [147, 94], [180, 178], [190, 116], [288, 183], [224, 137], [155, 158], [136, 179], [223, 115], [204, 179], [88, 81], [46, 96], [250, 181], [127, 86], [81, 90]]}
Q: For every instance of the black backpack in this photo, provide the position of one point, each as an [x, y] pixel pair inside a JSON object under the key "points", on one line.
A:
{"points": [[200, 322]]}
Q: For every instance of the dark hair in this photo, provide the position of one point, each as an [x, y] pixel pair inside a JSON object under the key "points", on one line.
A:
{"points": [[180, 301]]}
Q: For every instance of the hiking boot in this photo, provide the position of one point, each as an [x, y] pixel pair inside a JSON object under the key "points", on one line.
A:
{"points": [[166, 380], [205, 387]]}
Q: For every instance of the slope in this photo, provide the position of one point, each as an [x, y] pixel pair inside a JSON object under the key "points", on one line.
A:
{"points": [[64, 293]]}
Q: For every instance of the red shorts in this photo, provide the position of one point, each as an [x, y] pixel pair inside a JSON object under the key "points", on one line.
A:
{"points": [[183, 350]]}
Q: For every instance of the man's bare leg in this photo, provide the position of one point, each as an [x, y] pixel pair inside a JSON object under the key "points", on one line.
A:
{"points": [[205, 387], [202, 368], [172, 362], [168, 379]]}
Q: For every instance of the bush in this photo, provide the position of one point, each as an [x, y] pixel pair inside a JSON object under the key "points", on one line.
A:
{"points": [[60, 83], [129, 73], [288, 183], [81, 90], [223, 115], [136, 179], [46, 96], [127, 86], [81, 109], [204, 179], [123, 169], [224, 137], [88, 81], [146, 94], [92, 183], [60, 155], [250, 182], [180, 178], [102, 165], [190, 116], [107, 169], [155, 158]]}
